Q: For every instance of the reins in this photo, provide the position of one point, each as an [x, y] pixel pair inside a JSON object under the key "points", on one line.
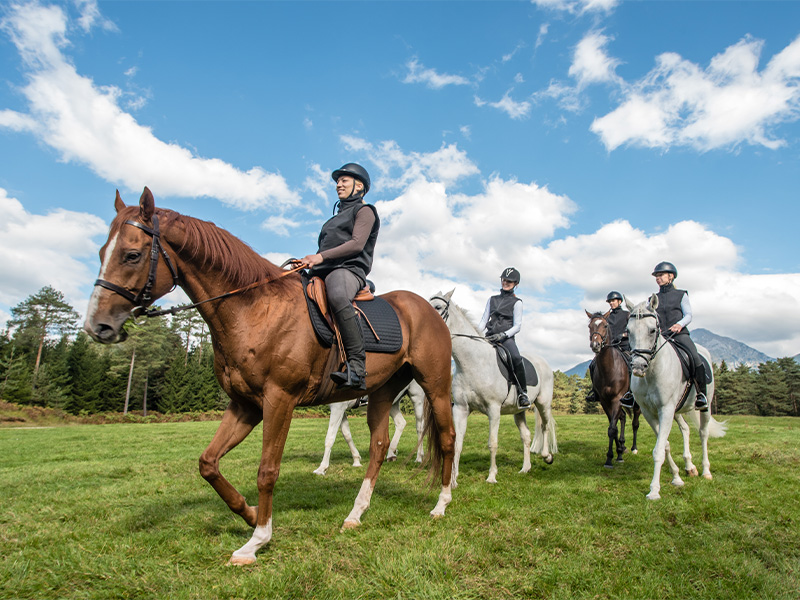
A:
{"points": [[141, 299], [649, 355], [446, 314]]}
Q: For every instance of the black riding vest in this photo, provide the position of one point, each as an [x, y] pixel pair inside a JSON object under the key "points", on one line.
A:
{"points": [[669, 307], [617, 325], [339, 229], [501, 312]]}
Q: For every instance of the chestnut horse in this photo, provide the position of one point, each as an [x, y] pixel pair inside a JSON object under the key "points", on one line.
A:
{"points": [[611, 379], [266, 355]]}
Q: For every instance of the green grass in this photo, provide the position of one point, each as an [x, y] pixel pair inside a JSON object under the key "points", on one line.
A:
{"points": [[120, 511]]}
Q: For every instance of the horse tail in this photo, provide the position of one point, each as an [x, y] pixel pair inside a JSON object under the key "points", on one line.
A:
{"points": [[716, 429], [434, 455]]}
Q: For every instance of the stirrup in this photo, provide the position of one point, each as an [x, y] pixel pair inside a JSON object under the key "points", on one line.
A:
{"points": [[701, 402], [523, 401], [627, 400], [591, 397], [349, 379]]}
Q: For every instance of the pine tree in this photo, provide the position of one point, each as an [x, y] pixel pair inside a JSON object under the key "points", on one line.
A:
{"points": [[84, 377], [791, 373], [772, 393]]}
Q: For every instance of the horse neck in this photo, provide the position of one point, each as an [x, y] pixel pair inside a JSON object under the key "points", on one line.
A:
{"points": [[201, 279], [467, 352]]}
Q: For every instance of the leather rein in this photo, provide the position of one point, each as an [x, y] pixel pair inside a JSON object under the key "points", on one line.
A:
{"points": [[446, 314], [141, 299]]}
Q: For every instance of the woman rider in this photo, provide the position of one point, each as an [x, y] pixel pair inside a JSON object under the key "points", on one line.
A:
{"points": [[617, 320], [502, 320], [674, 314], [344, 258]]}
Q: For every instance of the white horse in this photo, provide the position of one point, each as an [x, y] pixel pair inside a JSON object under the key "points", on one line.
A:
{"points": [[479, 385], [658, 385], [338, 421]]}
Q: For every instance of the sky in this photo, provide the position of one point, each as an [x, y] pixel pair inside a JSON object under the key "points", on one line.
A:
{"points": [[580, 141]]}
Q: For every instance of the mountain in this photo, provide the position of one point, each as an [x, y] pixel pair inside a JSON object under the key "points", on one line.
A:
{"points": [[734, 353], [579, 370]]}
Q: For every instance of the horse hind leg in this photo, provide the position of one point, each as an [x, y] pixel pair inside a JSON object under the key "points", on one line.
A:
{"points": [[237, 422], [544, 432], [335, 422], [378, 410], [494, 428], [689, 467], [525, 436]]}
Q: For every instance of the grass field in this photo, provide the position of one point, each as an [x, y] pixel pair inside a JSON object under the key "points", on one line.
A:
{"points": [[120, 511]]}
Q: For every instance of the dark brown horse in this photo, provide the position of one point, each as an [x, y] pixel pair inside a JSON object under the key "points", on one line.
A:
{"points": [[611, 380], [266, 355]]}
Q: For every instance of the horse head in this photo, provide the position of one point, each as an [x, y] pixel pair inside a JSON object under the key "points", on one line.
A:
{"points": [[132, 273], [441, 302], [643, 334], [598, 330]]}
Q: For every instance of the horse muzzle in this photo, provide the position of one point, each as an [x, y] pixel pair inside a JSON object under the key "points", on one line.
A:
{"points": [[105, 334]]}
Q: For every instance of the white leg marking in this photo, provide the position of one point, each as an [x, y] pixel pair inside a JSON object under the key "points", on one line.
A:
{"points": [[246, 555], [360, 506]]}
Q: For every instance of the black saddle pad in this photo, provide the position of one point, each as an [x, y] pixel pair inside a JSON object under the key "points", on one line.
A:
{"points": [[507, 369], [380, 314], [687, 366]]}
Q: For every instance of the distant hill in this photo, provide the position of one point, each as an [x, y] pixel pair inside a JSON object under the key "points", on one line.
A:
{"points": [[579, 370], [734, 353]]}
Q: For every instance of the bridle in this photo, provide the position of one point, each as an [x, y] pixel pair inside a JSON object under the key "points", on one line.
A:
{"points": [[649, 355], [604, 337], [143, 298], [446, 315]]}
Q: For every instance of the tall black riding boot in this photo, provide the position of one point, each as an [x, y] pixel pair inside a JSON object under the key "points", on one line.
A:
{"points": [[354, 374], [701, 402], [522, 386]]}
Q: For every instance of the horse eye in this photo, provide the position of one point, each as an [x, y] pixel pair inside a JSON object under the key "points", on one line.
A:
{"points": [[131, 257]]}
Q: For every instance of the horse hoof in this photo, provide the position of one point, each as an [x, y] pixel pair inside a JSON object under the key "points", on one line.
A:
{"points": [[491, 480], [620, 460], [608, 466], [654, 496], [677, 482], [391, 459], [240, 561], [319, 472], [549, 459], [357, 463], [350, 525], [634, 452], [708, 476], [437, 515]]}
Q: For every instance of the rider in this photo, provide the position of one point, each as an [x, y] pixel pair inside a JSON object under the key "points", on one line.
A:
{"points": [[617, 320], [343, 260], [674, 314], [502, 320]]}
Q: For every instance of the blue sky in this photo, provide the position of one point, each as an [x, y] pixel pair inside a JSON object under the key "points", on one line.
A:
{"points": [[580, 141]]}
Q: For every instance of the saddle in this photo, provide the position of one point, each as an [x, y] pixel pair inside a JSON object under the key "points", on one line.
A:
{"points": [[688, 368], [507, 368], [379, 323]]}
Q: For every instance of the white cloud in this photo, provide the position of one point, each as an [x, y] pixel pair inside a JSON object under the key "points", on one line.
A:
{"points": [[513, 108], [577, 6], [279, 225], [40, 250], [418, 73], [726, 104], [85, 124], [591, 63]]}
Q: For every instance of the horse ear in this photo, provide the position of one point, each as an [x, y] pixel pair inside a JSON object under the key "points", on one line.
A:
{"points": [[147, 205], [449, 294], [605, 316], [628, 304], [653, 302], [588, 314], [118, 203]]}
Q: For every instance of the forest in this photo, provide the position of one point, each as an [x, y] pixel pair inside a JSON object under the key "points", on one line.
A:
{"points": [[166, 365]]}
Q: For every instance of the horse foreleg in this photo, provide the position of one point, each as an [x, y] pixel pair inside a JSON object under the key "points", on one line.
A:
{"points": [[635, 428], [525, 436], [399, 424], [661, 451], [418, 400], [691, 470], [334, 423], [277, 419], [612, 436], [494, 429], [621, 439], [237, 422], [378, 421], [705, 419]]}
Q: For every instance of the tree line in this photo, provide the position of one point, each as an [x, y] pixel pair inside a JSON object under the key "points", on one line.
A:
{"points": [[166, 365]]}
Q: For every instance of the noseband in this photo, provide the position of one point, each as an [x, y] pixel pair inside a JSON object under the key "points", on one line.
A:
{"points": [[603, 338], [141, 299], [446, 314]]}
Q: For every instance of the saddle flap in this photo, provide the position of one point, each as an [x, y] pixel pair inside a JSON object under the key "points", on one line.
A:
{"points": [[507, 368], [364, 295], [316, 293]]}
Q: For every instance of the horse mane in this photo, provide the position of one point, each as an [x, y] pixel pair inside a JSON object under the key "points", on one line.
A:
{"points": [[222, 251], [215, 248], [465, 315]]}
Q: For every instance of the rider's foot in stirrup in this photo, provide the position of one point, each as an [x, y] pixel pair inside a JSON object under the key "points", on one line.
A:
{"points": [[627, 400], [349, 379], [701, 402], [591, 397], [523, 401]]}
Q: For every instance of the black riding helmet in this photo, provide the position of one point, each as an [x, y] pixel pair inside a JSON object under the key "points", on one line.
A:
{"points": [[614, 296], [510, 274], [665, 267], [354, 170]]}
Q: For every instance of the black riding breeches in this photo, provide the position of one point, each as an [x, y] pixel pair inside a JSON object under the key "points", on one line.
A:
{"points": [[516, 360], [685, 341]]}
